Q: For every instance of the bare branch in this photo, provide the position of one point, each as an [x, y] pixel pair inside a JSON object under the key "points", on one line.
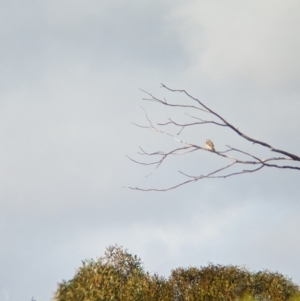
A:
{"points": [[293, 156], [236, 155], [189, 124], [164, 102]]}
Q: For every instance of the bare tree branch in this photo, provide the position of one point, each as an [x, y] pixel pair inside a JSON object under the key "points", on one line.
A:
{"points": [[294, 157], [188, 147]]}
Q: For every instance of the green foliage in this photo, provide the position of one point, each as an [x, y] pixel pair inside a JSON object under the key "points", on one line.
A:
{"points": [[116, 276], [216, 282], [120, 276], [119, 259]]}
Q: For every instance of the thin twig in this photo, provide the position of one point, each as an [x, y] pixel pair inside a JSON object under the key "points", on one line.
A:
{"points": [[189, 147]]}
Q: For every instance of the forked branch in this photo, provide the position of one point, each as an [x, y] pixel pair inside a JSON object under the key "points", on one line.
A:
{"points": [[233, 156]]}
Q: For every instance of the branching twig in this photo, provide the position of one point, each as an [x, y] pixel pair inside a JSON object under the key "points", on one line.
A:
{"points": [[188, 147], [294, 157]]}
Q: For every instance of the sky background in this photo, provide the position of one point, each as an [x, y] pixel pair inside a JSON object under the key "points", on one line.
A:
{"points": [[70, 77]]}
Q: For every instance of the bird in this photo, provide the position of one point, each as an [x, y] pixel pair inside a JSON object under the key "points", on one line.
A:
{"points": [[209, 145]]}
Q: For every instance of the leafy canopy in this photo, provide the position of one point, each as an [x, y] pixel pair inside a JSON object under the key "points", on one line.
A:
{"points": [[120, 276]]}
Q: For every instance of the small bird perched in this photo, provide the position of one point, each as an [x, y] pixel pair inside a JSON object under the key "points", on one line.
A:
{"points": [[209, 145]]}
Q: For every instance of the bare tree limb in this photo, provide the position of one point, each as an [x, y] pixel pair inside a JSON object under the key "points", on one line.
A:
{"points": [[294, 157], [188, 147]]}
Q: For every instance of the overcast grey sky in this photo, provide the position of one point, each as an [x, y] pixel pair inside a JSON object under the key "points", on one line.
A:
{"points": [[70, 78]]}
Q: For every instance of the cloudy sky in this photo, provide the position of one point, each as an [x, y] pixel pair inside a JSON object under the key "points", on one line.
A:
{"points": [[70, 78]]}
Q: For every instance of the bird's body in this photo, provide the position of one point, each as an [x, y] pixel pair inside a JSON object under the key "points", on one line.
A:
{"points": [[209, 145]]}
